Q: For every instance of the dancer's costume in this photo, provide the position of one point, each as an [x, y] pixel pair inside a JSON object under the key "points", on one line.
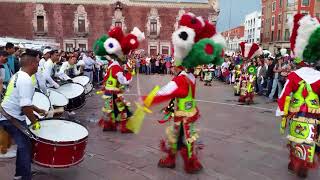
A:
{"points": [[195, 43], [114, 46], [246, 85], [208, 75], [236, 79], [299, 101]]}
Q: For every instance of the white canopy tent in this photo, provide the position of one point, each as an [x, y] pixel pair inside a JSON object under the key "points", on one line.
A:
{"points": [[28, 44]]}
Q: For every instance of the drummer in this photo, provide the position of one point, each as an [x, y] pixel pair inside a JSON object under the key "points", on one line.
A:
{"points": [[50, 70], [17, 104], [69, 68]]}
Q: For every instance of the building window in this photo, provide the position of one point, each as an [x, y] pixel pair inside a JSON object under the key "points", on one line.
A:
{"points": [[82, 47], [40, 23], [274, 5], [81, 22], [81, 25], [305, 3], [272, 22], [153, 50], [279, 19], [318, 15], [69, 47], [279, 35], [165, 50], [290, 2], [286, 35], [272, 34], [118, 24], [153, 28], [280, 3]]}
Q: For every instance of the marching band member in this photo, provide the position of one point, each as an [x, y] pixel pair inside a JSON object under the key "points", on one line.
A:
{"points": [[195, 43], [115, 46], [50, 69], [299, 101], [16, 105], [69, 68]]}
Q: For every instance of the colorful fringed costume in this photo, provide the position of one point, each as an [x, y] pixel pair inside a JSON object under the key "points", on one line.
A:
{"points": [[208, 75], [114, 46], [195, 43], [299, 103], [246, 86]]}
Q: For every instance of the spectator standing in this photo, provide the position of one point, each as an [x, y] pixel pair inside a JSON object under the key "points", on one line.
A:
{"points": [[261, 76], [269, 75], [276, 84], [153, 64], [168, 67], [148, 65]]}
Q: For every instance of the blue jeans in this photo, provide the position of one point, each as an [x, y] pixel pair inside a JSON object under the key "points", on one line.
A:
{"points": [[275, 84], [23, 160], [148, 70]]}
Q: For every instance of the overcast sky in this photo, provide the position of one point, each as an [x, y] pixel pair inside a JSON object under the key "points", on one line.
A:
{"points": [[239, 8]]}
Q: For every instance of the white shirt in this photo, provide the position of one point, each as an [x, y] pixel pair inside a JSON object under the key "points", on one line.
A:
{"points": [[48, 71], [41, 64], [89, 62], [225, 65], [19, 96], [64, 68]]}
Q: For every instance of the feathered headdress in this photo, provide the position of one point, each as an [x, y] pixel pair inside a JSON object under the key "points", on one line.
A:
{"points": [[116, 44], [305, 38], [196, 42], [250, 50]]}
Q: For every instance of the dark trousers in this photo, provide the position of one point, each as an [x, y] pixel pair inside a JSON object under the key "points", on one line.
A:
{"points": [[269, 86], [23, 160]]}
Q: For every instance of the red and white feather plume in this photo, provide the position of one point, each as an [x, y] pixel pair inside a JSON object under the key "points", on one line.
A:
{"points": [[250, 50]]}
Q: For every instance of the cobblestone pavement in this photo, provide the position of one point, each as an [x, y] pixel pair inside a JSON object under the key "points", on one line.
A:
{"points": [[241, 142]]}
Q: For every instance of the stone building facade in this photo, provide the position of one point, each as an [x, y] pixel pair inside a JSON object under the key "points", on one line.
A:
{"points": [[78, 23]]}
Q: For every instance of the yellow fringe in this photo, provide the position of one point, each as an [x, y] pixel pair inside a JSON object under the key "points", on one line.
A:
{"points": [[294, 110], [186, 114], [314, 111], [306, 120], [300, 141]]}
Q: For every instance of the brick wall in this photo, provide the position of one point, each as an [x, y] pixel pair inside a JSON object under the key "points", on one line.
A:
{"points": [[17, 19]]}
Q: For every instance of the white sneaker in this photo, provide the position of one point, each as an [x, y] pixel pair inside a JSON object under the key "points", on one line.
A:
{"points": [[12, 152], [17, 177], [72, 113]]}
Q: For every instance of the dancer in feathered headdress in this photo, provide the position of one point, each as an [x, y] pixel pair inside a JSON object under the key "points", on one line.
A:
{"points": [[114, 46], [195, 43], [299, 100]]}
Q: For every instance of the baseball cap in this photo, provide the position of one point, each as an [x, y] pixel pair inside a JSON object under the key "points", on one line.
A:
{"points": [[45, 51]]}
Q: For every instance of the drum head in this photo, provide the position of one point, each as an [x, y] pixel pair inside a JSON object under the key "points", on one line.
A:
{"points": [[57, 99], [41, 101], [60, 130], [83, 80], [71, 90]]}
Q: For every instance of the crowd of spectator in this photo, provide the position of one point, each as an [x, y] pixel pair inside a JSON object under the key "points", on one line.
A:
{"points": [[160, 64], [271, 73]]}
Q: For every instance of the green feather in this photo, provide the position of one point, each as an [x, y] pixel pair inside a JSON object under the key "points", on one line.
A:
{"points": [[311, 54], [98, 47], [198, 56]]}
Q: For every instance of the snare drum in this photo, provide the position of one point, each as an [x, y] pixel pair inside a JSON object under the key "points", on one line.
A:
{"points": [[85, 82], [74, 93], [41, 101], [60, 144], [57, 99]]}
